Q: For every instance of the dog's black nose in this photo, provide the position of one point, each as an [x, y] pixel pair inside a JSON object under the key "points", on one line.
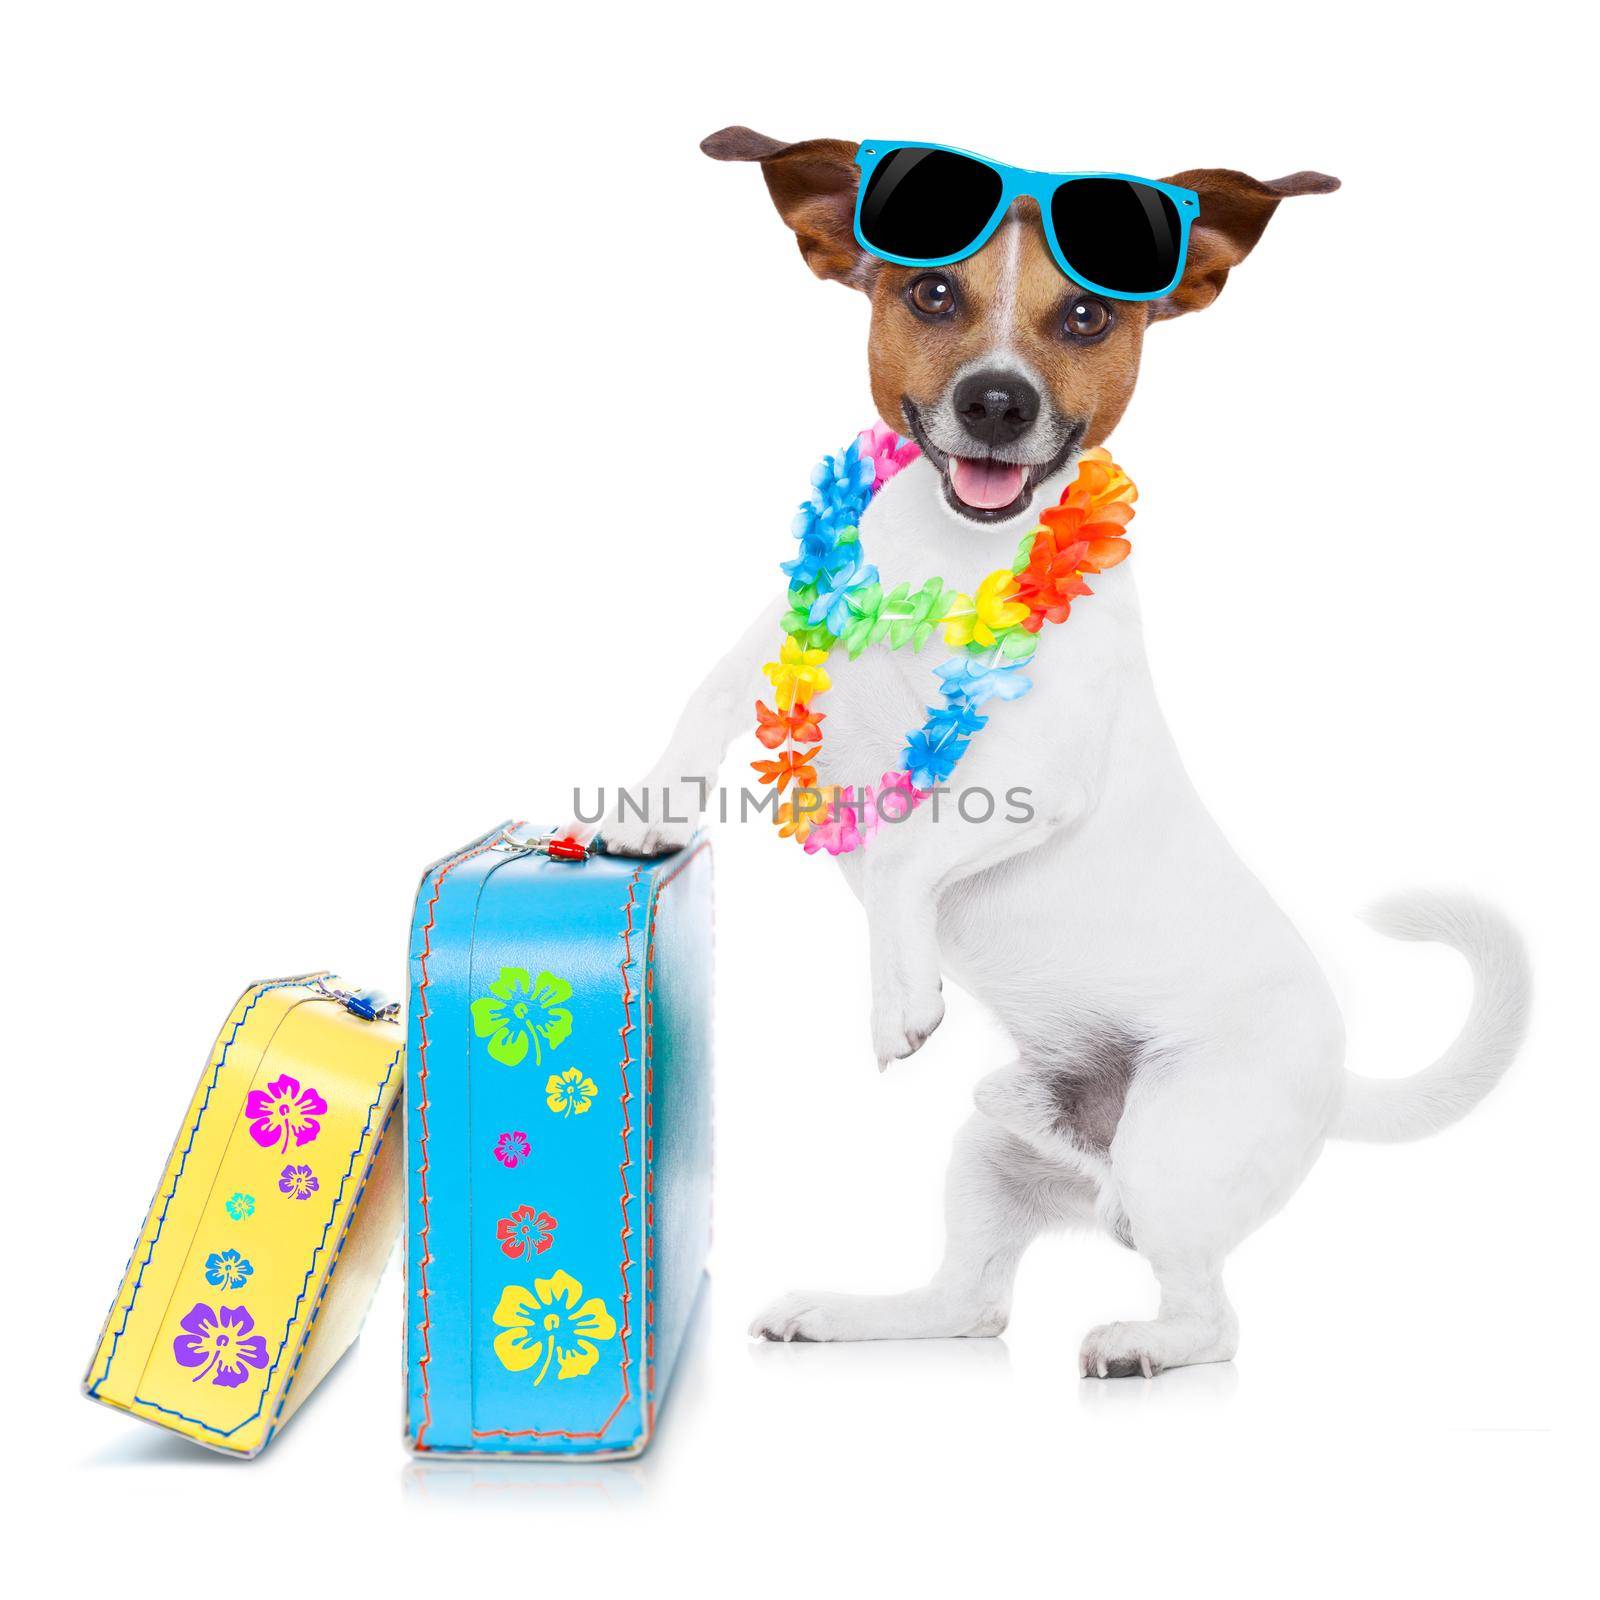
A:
{"points": [[996, 407]]}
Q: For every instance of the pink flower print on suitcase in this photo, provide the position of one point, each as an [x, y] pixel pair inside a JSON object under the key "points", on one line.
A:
{"points": [[284, 1110]]}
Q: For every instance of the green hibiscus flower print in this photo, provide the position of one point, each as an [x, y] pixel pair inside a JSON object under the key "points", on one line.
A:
{"points": [[520, 1011]]}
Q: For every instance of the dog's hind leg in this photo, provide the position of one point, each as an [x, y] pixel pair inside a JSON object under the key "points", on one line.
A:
{"points": [[999, 1196], [1212, 1141], [1178, 1226], [1194, 1325]]}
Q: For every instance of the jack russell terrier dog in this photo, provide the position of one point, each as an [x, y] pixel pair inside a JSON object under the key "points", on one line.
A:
{"points": [[1178, 1051]]}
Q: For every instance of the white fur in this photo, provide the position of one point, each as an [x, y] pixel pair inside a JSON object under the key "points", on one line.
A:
{"points": [[1119, 913], [1005, 299]]}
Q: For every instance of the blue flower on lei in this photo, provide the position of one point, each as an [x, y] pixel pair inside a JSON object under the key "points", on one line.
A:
{"points": [[831, 608], [842, 486], [955, 717], [974, 679], [817, 550], [931, 758]]}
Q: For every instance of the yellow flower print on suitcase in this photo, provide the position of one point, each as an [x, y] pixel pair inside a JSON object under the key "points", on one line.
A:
{"points": [[547, 1324], [570, 1093]]}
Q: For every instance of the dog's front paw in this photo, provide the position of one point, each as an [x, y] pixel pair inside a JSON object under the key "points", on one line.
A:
{"points": [[813, 1316], [652, 818], [653, 838], [904, 1013]]}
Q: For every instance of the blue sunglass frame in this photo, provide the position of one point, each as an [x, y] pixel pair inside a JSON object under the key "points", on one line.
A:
{"points": [[1014, 183]]}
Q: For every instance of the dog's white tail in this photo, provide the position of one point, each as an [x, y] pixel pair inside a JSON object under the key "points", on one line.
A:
{"points": [[1386, 1110]]}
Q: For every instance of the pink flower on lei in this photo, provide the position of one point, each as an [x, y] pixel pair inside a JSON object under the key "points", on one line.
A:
{"points": [[889, 452], [851, 819], [837, 833], [898, 796]]}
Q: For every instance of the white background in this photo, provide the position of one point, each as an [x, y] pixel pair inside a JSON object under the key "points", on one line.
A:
{"points": [[400, 414]]}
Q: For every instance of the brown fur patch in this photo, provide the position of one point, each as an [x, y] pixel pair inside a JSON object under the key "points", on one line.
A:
{"points": [[813, 186], [1234, 212], [1010, 291]]}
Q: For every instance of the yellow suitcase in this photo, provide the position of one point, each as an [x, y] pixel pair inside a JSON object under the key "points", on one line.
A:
{"points": [[284, 1169]]}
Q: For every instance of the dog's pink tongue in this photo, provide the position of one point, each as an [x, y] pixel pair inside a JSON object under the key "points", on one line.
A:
{"points": [[986, 485]]}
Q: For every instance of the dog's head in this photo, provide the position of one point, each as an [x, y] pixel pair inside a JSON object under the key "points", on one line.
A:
{"points": [[999, 365]]}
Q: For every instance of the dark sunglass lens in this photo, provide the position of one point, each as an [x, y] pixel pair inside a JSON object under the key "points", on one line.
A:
{"points": [[1123, 236], [927, 204]]}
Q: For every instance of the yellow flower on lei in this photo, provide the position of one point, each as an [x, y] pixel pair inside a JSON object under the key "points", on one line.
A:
{"points": [[570, 1093], [546, 1324], [993, 611], [797, 674]]}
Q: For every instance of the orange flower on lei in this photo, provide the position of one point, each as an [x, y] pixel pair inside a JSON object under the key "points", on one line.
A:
{"points": [[791, 763], [1100, 483], [797, 817], [1083, 534], [778, 727]]}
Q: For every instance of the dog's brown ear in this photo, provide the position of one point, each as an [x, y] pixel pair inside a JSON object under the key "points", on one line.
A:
{"points": [[1234, 212], [813, 185]]}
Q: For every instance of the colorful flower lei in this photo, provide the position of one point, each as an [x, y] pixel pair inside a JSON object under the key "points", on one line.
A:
{"points": [[836, 598]]}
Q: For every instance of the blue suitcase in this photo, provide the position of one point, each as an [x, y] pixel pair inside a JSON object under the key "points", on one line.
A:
{"points": [[558, 1119]]}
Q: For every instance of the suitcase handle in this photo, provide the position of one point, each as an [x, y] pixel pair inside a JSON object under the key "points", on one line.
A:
{"points": [[371, 1005], [571, 850]]}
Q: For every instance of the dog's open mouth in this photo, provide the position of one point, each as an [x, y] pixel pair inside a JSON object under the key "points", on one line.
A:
{"points": [[985, 488], [987, 485]]}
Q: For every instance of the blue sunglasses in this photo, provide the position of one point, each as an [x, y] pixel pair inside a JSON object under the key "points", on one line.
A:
{"points": [[928, 205]]}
